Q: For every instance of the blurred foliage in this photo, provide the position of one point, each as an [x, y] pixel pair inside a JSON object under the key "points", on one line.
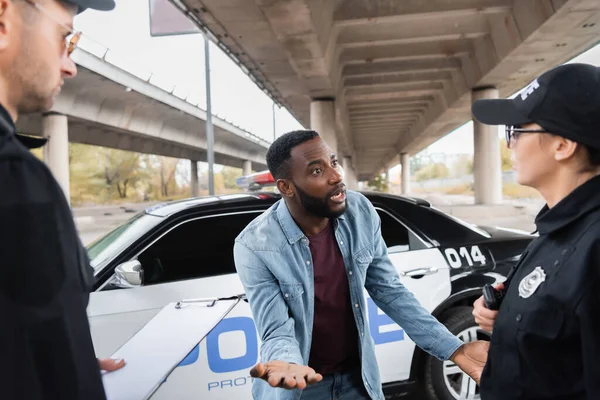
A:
{"points": [[101, 175], [379, 183], [229, 176], [515, 190], [505, 154], [462, 166], [432, 171]]}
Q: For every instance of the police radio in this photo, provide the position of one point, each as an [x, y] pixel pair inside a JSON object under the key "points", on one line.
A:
{"points": [[492, 297]]}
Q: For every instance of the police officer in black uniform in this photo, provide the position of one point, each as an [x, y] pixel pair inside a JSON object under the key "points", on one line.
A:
{"points": [[546, 335], [46, 350]]}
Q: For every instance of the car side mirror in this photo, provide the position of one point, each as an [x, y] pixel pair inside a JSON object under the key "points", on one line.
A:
{"points": [[129, 274]]}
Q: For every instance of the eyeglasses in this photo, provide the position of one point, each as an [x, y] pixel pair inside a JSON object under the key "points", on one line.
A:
{"points": [[513, 133], [72, 39]]}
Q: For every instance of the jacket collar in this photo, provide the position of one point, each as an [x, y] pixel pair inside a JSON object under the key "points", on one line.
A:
{"points": [[580, 202], [8, 128], [292, 231], [7, 125]]}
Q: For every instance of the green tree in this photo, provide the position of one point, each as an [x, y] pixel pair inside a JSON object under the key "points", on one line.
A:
{"points": [[230, 175], [167, 168], [121, 170], [379, 183], [86, 182]]}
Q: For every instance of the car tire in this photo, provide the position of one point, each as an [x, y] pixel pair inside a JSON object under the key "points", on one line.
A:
{"points": [[460, 322]]}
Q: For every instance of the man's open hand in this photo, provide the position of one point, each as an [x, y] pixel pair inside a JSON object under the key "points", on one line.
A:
{"points": [[285, 375], [109, 365], [471, 358]]}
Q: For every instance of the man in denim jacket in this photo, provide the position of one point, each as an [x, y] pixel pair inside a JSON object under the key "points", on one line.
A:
{"points": [[305, 263]]}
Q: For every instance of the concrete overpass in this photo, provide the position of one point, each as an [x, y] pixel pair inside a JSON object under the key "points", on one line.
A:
{"points": [[381, 80], [107, 106]]}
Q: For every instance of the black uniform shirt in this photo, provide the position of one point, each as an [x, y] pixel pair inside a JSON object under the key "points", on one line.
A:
{"points": [[546, 339], [46, 350]]}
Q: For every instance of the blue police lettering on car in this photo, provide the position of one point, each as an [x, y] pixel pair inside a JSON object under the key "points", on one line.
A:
{"points": [[377, 320], [221, 365], [218, 364], [191, 357], [241, 381]]}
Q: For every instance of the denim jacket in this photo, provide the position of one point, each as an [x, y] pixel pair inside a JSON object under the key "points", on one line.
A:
{"points": [[274, 263]]}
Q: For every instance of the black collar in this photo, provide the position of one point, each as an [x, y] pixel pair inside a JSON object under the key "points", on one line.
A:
{"points": [[8, 128], [580, 202], [7, 125]]}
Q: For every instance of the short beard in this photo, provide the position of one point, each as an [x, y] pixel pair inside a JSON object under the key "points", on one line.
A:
{"points": [[317, 206]]}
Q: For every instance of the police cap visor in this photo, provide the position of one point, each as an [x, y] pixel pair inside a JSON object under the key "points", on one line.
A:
{"points": [[565, 101], [101, 5]]}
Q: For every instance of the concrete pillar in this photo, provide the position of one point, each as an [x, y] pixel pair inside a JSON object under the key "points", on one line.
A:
{"points": [[194, 185], [349, 174], [55, 127], [405, 179], [487, 168], [247, 168], [322, 120]]}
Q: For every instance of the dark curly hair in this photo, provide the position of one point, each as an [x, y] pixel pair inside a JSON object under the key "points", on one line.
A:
{"points": [[279, 152]]}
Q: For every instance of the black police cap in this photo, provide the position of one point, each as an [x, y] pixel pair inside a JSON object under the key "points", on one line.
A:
{"points": [[101, 5], [564, 101]]}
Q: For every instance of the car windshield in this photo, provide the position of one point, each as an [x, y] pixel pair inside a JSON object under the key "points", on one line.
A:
{"points": [[113, 243]]}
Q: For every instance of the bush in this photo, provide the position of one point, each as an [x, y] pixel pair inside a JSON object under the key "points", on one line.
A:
{"points": [[519, 191], [432, 171]]}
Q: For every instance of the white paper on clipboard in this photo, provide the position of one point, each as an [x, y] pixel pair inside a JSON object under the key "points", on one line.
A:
{"points": [[154, 351]]}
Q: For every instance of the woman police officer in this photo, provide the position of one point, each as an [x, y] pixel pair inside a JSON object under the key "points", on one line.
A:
{"points": [[546, 334]]}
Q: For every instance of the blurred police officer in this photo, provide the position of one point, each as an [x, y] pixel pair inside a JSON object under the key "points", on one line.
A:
{"points": [[46, 349], [546, 334]]}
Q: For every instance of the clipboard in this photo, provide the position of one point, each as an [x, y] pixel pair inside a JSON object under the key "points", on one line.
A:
{"points": [[156, 349]]}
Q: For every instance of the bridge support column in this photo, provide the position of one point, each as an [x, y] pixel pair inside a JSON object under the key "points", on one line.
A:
{"points": [[322, 120], [487, 169], [55, 127], [349, 174], [405, 180], [194, 185], [247, 168]]}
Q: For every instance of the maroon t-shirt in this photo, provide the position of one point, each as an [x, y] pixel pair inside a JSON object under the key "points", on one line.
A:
{"points": [[334, 345]]}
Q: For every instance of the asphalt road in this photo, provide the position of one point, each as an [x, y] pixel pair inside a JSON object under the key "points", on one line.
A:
{"points": [[95, 222]]}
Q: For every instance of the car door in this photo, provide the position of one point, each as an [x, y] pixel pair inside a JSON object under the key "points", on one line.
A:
{"points": [[189, 260], [422, 270]]}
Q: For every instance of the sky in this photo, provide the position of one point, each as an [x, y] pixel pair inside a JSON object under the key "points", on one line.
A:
{"points": [[178, 61], [461, 139]]}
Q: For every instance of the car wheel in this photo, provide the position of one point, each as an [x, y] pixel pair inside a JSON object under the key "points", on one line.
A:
{"points": [[443, 379]]}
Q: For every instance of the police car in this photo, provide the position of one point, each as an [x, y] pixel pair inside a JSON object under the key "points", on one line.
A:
{"points": [[183, 249]]}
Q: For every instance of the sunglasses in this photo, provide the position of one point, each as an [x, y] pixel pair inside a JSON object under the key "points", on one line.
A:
{"points": [[73, 37], [513, 132]]}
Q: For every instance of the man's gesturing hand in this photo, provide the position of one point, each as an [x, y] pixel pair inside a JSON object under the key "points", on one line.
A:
{"points": [[484, 317], [285, 375], [471, 358]]}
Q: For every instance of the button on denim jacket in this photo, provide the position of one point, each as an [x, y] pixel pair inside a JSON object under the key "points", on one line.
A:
{"points": [[274, 263]]}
